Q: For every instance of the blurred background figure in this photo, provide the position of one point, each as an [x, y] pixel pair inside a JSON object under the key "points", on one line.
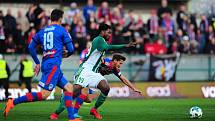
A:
{"points": [[35, 15], [4, 75], [26, 72]]}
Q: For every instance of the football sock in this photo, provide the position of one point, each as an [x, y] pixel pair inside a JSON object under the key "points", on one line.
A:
{"points": [[29, 97], [68, 103], [100, 100], [61, 107], [79, 101]]}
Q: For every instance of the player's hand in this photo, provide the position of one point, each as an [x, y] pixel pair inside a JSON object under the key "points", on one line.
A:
{"points": [[65, 53], [37, 69], [138, 91], [131, 44]]}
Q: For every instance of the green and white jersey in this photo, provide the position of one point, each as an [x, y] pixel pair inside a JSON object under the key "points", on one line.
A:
{"points": [[96, 52]]}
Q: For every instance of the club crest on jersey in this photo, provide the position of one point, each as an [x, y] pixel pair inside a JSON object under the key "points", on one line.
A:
{"points": [[51, 86]]}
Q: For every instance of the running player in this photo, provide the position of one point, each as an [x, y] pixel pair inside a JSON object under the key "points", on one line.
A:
{"points": [[52, 38]]}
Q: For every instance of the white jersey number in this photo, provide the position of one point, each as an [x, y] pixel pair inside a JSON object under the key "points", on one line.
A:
{"points": [[48, 40]]}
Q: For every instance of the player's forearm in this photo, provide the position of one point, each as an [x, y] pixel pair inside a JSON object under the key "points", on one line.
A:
{"points": [[70, 48], [127, 82], [115, 47], [33, 53]]}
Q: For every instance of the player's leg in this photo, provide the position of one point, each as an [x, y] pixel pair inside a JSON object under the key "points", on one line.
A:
{"points": [[104, 87], [47, 83], [88, 98], [68, 98], [29, 97], [81, 95], [59, 109]]}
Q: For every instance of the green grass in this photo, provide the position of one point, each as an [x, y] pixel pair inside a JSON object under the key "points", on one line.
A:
{"points": [[120, 110]]}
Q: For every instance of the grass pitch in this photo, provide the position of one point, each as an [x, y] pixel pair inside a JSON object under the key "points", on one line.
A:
{"points": [[119, 110]]}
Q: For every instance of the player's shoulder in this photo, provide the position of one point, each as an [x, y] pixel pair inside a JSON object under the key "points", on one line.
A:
{"points": [[98, 40]]}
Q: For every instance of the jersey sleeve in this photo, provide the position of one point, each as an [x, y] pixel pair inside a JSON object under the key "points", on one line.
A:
{"points": [[32, 51], [36, 38], [66, 37], [102, 45], [67, 40], [117, 72]]}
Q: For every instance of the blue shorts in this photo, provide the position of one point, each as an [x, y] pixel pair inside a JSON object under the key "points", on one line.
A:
{"points": [[52, 76]]}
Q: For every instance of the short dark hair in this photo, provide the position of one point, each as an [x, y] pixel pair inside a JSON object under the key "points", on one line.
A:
{"points": [[56, 14], [118, 57], [103, 27]]}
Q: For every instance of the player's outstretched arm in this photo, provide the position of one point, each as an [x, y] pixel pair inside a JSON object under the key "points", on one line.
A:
{"points": [[104, 46], [129, 84]]}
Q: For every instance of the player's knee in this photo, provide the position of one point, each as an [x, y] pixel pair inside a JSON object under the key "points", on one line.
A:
{"points": [[68, 87], [106, 90]]}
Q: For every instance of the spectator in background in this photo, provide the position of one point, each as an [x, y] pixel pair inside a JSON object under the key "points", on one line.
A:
{"points": [[149, 48], [201, 40], [185, 25], [191, 33], [193, 21], [19, 39], [26, 72], [121, 10], [71, 13], [2, 37], [130, 18], [194, 47], [152, 24], [76, 18], [174, 47], [163, 9], [160, 48], [116, 17], [210, 34], [88, 9], [179, 36], [35, 15], [92, 30], [31, 33], [4, 75], [117, 35], [211, 46], [79, 34], [180, 16], [20, 19], [168, 27], [10, 45], [106, 20], [104, 10], [9, 23], [204, 24], [92, 19], [1, 16], [185, 46]]}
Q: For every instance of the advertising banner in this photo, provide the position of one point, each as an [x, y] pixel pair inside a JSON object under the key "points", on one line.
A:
{"points": [[149, 89]]}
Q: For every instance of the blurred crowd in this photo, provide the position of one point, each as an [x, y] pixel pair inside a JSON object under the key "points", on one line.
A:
{"points": [[162, 33]]}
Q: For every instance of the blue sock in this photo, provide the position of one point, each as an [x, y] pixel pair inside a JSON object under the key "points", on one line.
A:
{"points": [[79, 101], [68, 104], [29, 97]]}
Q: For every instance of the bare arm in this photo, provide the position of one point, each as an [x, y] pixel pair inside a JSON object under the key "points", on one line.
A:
{"points": [[128, 83]]}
